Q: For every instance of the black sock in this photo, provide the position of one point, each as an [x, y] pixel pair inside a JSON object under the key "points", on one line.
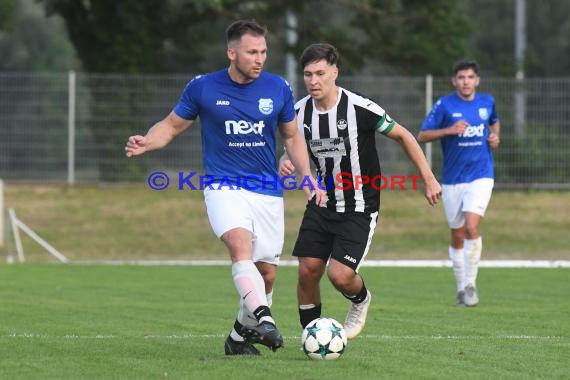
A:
{"points": [[262, 311], [361, 296], [238, 327], [307, 315]]}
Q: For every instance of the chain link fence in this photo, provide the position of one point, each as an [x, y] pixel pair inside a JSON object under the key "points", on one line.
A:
{"points": [[73, 127]]}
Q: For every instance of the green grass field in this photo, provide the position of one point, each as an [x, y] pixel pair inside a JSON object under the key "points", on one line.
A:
{"points": [[133, 222], [157, 322]]}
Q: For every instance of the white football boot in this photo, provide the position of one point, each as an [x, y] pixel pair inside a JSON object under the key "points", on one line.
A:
{"points": [[356, 317]]}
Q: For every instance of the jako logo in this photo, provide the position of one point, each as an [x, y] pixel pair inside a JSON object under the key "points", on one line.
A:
{"points": [[223, 103], [351, 259], [474, 131], [243, 127]]}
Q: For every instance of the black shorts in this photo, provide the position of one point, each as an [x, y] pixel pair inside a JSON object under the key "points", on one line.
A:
{"points": [[325, 234]]}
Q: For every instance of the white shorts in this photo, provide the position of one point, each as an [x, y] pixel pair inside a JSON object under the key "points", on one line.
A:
{"points": [[262, 215], [466, 197]]}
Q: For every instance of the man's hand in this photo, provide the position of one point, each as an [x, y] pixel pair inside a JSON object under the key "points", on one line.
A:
{"points": [[458, 128], [432, 191], [493, 140], [136, 145], [321, 197], [286, 167]]}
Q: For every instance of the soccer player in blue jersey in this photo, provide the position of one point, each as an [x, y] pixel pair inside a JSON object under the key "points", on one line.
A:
{"points": [[467, 125], [241, 109], [340, 128]]}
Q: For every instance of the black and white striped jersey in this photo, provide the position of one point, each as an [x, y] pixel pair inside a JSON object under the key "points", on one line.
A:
{"points": [[342, 145]]}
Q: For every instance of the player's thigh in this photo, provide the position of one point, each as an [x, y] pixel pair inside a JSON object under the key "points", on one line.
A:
{"points": [[452, 197], [227, 209], [478, 195], [268, 227], [353, 238]]}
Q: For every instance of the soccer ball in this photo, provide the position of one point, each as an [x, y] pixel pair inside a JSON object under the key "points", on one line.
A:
{"points": [[324, 339]]}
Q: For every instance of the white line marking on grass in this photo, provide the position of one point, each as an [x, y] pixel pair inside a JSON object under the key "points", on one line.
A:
{"points": [[220, 336], [369, 263], [454, 337]]}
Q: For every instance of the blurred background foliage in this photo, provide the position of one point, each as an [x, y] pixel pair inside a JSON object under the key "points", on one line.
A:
{"points": [[384, 37]]}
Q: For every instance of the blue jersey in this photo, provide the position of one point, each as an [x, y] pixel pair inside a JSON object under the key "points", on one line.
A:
{"points": [[466, 157], [239, 125]]}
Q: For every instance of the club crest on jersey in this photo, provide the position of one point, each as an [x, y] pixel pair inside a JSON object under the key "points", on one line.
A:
{"points": [[266, 106], [483, 113], [341, 124]]}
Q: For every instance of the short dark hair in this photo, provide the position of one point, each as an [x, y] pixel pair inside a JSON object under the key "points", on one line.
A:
{"points": [[465, 64], [238, 28], [317, 52]]}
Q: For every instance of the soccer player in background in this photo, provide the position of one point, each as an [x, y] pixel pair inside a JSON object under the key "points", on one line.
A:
{"points": [[340, 129], [241, 108], [468, 127]]}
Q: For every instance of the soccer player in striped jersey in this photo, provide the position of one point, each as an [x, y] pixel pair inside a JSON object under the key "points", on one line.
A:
{"points": [[340, 128], [241, 110], [467, 125]]}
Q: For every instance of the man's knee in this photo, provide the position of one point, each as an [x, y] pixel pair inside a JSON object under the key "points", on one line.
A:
{"points": [[457, 237], [310, 270], [472, 225], [472, 229], [341, 276]]}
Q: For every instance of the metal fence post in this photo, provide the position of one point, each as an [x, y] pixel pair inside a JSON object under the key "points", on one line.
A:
{"points": [[429, 104], [71, 129], [1, 214]]}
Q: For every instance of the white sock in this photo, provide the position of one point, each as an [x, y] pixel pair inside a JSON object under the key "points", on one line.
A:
{"points": [[235, 336], [458, 266], [473, 250], [249, 284], [245, 317]]}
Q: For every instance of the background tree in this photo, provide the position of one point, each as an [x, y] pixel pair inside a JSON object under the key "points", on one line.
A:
{"points": [[382, 37], [8, 10], [547, 30], [402, 36], [415, 37], [30, 43], [114, 37]]}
